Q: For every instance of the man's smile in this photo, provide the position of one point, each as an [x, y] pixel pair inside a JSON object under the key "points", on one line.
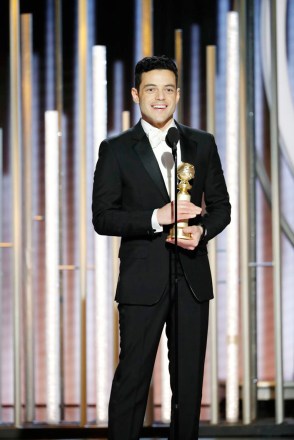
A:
{"points": [[159, 106]]}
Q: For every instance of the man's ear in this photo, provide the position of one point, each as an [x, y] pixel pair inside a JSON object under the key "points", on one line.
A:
{"points": [[135, 95]]}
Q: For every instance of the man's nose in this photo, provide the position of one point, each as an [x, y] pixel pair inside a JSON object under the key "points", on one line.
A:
{"points": [[160, 94]]}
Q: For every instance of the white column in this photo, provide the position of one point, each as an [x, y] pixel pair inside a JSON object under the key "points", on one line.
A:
{"points": [[232, 147], [103, 254], [52, 267]]}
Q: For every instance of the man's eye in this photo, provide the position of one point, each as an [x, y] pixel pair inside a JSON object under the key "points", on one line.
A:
{"points": [[150, 89], [169, 90]]}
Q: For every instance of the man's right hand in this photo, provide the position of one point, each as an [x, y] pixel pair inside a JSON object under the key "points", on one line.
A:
{"points": [[186, 210]]}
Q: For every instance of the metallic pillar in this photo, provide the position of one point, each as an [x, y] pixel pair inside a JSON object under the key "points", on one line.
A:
{"points": [[17, 203], [247, 208], [244, 222], [27, 93], [213, 330], [59, 108], [250, 129], [276, 223], [82, 142]]}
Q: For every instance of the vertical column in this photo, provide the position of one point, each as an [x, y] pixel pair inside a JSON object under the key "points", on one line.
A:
{"points": [[143, 39], [82, 136], [103, 288], [59, 108], [232, 144], [248, 342], [250, 128], [138, 31], [147, 28], [52, 268], [179, 62], [195, 74], [15, 136], [118, 96], [213, 330], [276, 223], [27, 81]]}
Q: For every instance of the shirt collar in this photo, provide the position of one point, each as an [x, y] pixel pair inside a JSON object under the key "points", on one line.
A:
{"points": [[147, 127], [153, 132]]}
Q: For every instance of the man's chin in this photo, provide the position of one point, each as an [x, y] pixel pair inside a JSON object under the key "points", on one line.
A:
{"points": [[161, 124]]}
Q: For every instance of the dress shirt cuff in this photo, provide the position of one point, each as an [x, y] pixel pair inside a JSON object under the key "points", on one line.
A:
{"points": [[154, 223]]}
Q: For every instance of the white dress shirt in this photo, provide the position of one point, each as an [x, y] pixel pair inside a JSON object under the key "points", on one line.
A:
{"points": [[163, 154]]}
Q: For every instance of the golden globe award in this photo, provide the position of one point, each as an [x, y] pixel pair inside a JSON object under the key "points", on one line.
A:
{"points": [[185, 172]]}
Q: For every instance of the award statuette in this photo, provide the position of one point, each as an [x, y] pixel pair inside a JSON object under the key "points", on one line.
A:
{"points": [[185, 172]]}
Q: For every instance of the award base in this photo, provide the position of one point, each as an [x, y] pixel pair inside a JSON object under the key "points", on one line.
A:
{"points": [[180, 234]]}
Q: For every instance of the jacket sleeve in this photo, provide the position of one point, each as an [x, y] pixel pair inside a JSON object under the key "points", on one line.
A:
{"points": [[108, 215], [216, 197]]}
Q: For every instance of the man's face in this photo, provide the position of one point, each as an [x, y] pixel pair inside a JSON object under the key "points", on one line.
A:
{"points": [[157, 96]]}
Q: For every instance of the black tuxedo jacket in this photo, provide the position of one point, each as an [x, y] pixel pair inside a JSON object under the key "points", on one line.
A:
{"points": [[128, 186]]}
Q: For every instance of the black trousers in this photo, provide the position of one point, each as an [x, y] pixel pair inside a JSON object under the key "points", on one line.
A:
{"points": [[140, 332]]}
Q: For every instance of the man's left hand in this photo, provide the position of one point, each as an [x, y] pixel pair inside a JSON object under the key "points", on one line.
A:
{"points": [[192, 243]]}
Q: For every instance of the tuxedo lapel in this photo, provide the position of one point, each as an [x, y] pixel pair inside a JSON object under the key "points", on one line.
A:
{"points": [[188, 146], [143, 148]]}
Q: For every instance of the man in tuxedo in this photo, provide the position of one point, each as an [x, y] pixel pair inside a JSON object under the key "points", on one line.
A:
{"points": [[133, 199]]}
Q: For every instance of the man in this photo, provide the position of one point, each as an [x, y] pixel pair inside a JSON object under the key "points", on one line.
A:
{"points": [[132, 196]]}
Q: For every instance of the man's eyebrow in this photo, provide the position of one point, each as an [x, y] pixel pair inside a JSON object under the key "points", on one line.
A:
{"points": [[155, 85]]}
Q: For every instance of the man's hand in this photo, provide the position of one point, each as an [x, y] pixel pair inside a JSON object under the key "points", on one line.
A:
{"points": [[190, 245], [186, 210]]}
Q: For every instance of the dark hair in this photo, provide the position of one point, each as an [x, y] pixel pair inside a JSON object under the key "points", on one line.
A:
{"points": [[152, 63]]}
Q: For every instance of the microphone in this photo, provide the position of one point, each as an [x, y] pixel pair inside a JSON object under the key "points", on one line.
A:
{"points": [[172, 139]]}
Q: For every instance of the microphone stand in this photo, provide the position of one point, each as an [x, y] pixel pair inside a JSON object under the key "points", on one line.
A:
{"points": [[176, 259]]}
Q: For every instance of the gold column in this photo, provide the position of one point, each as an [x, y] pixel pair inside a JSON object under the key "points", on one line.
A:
{"points": [[179, 62], [27, 93], [15, 133], [147, 28], [82, 136], [213, 330]]}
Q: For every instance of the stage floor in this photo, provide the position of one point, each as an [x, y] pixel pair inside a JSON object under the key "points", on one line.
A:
{"points": [[267, 429], [161, 438]]}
